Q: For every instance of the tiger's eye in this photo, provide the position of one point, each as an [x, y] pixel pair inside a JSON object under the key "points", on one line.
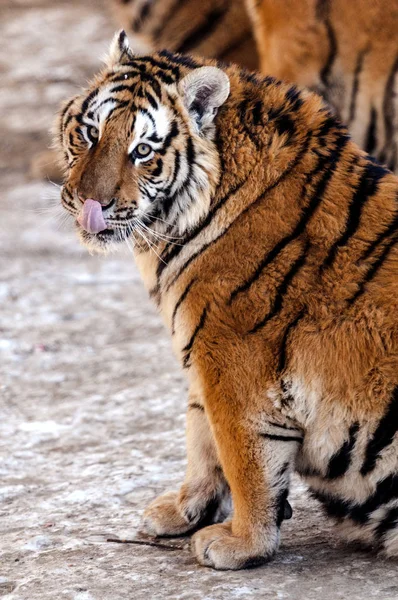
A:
{"points": [[143, 150], [92, 134]]}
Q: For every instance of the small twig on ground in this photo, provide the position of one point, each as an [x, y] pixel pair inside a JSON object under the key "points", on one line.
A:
{"points": [[148, 543]]}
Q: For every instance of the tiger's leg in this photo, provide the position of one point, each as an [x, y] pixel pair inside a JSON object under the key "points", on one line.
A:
{"points": [[204, 496], [257, 455]]}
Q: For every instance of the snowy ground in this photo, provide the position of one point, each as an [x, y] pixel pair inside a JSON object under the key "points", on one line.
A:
{"points": [[92, 402]]}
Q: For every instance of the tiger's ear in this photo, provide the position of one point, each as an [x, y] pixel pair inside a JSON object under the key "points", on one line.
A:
{"points": [[119, 51], [203, 91]]}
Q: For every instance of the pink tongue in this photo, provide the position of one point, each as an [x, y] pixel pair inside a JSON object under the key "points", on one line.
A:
{"points": [[91, 217]]}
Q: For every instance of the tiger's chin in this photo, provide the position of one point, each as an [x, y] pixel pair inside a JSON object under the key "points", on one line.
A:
{"points": [[104, 242]]}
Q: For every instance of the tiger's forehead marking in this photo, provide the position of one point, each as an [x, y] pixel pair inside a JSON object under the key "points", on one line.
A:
{"points": [[150, 121], [100, 106]]}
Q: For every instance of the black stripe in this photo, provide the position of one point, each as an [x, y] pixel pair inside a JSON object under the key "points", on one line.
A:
{"points": [[107, 101], [282, 426], [88, 99], [177, 167], [335, 507], [69, 119], [174, 131], [340, 461], [141, 62], [131, 75], [142, 16], [146, 112], [188, 348], [372, 272], [169, 199], [156, 87], [243, 111], [355, 85], [280, 505], [185, 61], [326, 164], [203, 31], [257, 112], [282, 438], [284, 469], [322, 9], [389, 522], [327, 68], [386, 490], [154, 293], [173, 8], [282, 351], [392, 228], [67, 192], [234, 45], [158, 169], [368, 186], [293, 95], [71, 142], [259, 199], [179, 302], [190, 161], [151, 100], [282, 289], [383, 436], [285, 124], [196, 406], [371, 141], [121, 104], [64, 111], [389, 108], [121, 88], [162, 75]]}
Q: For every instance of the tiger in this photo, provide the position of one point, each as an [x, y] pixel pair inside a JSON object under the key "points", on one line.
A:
{"points": [[346, 51], [268, 242]]}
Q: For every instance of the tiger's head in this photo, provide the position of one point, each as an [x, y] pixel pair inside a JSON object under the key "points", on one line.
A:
{"points": [[138, 146]]}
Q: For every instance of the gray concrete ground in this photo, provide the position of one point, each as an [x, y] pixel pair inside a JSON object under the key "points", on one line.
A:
{"points": [[92, 401]]}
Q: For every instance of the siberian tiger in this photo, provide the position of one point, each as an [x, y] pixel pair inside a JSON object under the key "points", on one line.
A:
{"points": [[275, 269], [345, 50]]}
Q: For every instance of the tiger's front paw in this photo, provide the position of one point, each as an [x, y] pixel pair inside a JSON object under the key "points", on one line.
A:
{"points": [[163, 517], [217, 547], [176, 513]]}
